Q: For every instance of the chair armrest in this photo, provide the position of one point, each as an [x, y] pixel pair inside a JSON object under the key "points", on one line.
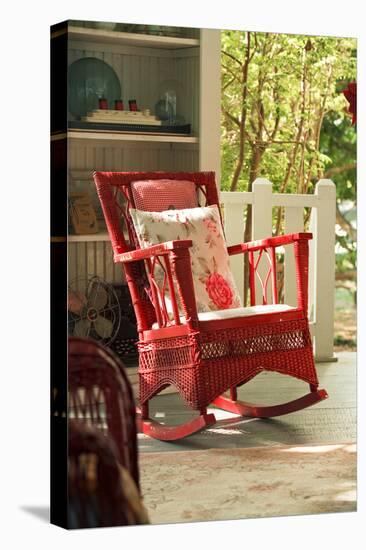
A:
{"points": [[271, 242], [301, 252], [154, 250], [177, 262]]}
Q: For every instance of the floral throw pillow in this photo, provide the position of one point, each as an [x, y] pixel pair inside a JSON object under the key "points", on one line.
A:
{"points": [[213, 282]]}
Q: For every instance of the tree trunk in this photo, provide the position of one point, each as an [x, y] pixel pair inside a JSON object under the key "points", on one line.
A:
{"points": [[257, 153], [241, 157]]}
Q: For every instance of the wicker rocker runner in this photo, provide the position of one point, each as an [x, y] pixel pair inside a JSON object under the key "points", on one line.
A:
{"points": [[203, 353]]}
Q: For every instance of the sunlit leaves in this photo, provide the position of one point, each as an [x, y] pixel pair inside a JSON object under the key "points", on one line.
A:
{"points": [[292, 80]]}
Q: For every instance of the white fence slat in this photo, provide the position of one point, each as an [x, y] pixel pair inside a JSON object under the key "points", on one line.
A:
{"points": [[237, 197], [294, 223], [293, 199], [234, 233], [262, 228]]}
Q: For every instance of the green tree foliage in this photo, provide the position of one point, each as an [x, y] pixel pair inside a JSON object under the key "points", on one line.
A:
{"points": [[284, 116]]}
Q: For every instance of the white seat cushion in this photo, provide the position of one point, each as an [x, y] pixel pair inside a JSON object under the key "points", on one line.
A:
{"points": [[242, 312], [238, 312]]}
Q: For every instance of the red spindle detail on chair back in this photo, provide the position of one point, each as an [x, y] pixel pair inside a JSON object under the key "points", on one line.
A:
{"points": [[156, 295], [172, 291], [301, 251], [274, 275], [271, 274], [252, 277], [188, 300], [100, 395]]}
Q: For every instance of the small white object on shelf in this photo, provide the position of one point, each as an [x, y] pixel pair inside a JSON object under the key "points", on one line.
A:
{"points": [[122, 117]]}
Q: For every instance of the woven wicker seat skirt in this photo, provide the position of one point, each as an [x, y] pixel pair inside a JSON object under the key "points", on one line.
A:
{"points": [[217, 360]]}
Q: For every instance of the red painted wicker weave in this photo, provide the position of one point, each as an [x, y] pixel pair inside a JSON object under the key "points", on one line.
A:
{"points": [[203, 359], [100, 396]]}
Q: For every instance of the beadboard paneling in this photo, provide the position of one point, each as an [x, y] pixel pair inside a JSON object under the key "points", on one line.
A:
{"points": [[92, 258], [132, 156]]}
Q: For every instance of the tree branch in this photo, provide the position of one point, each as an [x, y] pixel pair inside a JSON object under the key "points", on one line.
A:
{"points": [[345, 224], [232, 57], [242, 125], [228, 84], [233, 119], [350, 275], [339, 169], [234, 75]]}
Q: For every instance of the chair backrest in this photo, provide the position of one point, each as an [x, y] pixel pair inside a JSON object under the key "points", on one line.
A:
{"points": [[164, 194], [120, 191], [100, 395]]}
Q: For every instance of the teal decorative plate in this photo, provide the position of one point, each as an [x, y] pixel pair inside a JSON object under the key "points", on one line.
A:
{"points": [[90, 79]]}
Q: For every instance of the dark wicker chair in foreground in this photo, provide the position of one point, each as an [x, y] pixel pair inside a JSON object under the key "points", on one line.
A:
{"points": [[101, 492], [100, 396], [204, 357]]}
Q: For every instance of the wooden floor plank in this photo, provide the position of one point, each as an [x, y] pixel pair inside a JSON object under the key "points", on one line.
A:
{"points": [[330, 421]]}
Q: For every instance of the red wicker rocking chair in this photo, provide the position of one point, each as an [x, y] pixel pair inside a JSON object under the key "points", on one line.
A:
{"points": [[204, 358]]}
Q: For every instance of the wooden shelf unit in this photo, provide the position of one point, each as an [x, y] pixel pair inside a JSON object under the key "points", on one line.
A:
{"points": [[130, 136], [130, 39], [94, 237], [143, 63]]}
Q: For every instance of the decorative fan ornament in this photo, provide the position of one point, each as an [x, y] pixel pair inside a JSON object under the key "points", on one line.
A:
{"points": [[94, 313], [350, 94]]}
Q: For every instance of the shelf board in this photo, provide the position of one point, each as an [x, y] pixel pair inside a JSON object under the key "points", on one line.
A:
{"points": [[128, 136], [94, 237], [131, 39]]}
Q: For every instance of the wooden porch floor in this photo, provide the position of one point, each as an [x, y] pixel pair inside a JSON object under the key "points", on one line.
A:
{"points": [[330, 421]]}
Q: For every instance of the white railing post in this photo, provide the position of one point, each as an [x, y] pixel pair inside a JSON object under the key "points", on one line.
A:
{"points": [[294, 223], [262, 224], [323, 227]]}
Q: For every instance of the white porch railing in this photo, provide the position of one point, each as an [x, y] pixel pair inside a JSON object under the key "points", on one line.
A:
{"points": [[322, 252]]}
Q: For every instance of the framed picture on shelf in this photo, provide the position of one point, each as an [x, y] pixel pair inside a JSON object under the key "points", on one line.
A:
{"points": [[82, 214], [81, 181]]}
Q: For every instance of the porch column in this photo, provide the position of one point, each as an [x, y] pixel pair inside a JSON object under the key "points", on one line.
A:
{"points": [[323, 258], [210, 102]]}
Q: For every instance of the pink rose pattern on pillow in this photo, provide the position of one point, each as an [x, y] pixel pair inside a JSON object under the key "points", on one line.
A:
{"points": [[213, 282], [219, 291]]}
